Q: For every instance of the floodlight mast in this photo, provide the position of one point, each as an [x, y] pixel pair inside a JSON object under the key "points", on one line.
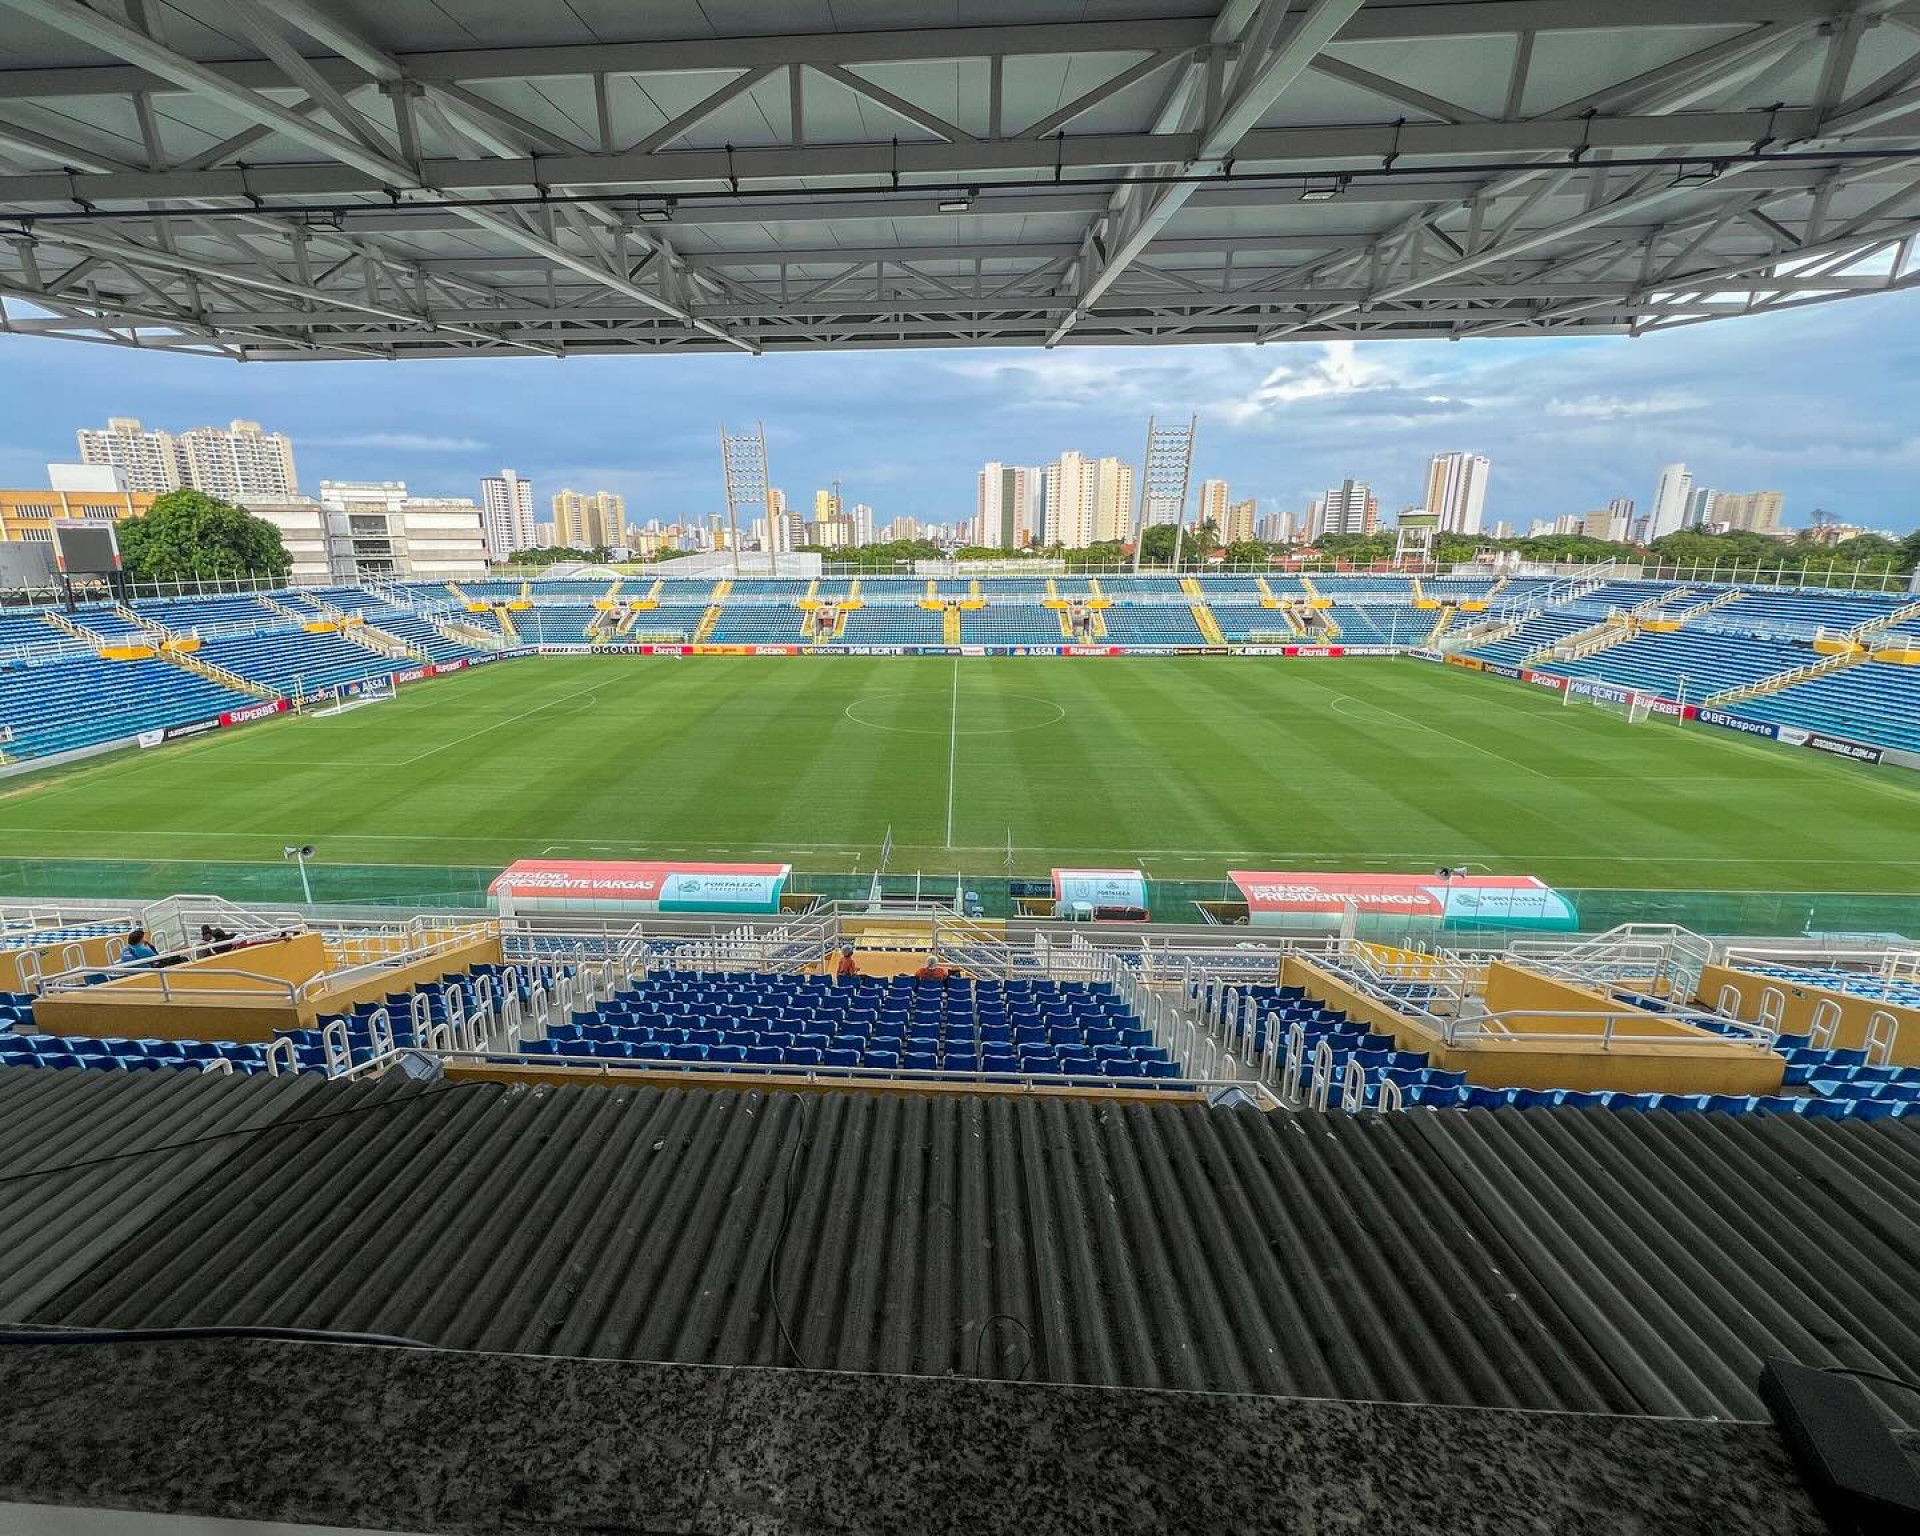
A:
{"points": [[1164, 480], [743, 468]]}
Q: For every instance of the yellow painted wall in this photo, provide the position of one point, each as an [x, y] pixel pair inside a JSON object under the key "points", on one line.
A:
{"points": [[1709, 1065], [96, 951], [1801, 1001], [225, 1006], [1510, 987], [405, 978]]}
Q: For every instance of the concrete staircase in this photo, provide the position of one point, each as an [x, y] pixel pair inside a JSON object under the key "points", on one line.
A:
{"points": [[152, 626], [77, 631], [1484, 633], [370, 637], [1202, 615], [282, 610], [1440, 627], [1615, 629], [464, 632], [1792, 678], [1886, 621], [226, 676], [950, 625]]}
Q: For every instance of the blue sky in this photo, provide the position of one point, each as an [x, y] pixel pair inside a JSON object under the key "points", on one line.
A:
{"points": [[1823, 403]]}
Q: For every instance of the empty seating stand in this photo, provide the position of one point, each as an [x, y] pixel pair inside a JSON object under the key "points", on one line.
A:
{"points": [[893, 1025], [80, 701], [456, 995]]}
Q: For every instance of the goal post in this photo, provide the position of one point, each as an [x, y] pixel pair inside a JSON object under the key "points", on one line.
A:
{"points": [[1633, 705], [338, 700]]}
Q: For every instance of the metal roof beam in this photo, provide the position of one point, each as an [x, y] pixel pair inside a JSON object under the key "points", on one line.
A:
{"points": [[1268, 66], [1377, 22], [1288, 150], [89, 26]]}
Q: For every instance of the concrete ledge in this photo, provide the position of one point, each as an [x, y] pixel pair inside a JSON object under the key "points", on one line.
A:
{"points": [[435, 1441]]}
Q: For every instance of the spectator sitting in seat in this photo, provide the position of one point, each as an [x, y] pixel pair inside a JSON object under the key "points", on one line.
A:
{"points": [[138, 950], [213, 940], [846, 965], [933, 970]]}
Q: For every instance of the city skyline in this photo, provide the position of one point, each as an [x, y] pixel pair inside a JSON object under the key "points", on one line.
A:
{"points": [[1794, 402], [1072, 502]]}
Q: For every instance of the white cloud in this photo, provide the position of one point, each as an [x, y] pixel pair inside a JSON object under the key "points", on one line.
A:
{"points": [[1621, 407], [405, 442]]}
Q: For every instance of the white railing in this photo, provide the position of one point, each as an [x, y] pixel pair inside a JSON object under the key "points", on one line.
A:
{"points": [[1894, 963], [1606, 1027], [748, 1073]]}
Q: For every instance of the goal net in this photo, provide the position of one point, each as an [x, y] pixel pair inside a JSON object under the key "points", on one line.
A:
{"points": [[337, 701], [1635, 707]]}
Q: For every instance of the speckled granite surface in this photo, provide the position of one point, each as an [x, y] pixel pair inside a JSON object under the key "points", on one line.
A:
{"points": [[464, 1443]]}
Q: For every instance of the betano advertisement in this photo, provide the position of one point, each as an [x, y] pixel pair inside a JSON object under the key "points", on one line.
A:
{"points": [[1313, 900], [615, 886]]}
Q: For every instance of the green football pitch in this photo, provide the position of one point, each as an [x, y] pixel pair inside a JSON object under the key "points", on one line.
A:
{"points": [[1181, 766]]}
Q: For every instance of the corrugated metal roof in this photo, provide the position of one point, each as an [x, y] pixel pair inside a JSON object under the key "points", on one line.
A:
{"points": [[1543, 1259]]}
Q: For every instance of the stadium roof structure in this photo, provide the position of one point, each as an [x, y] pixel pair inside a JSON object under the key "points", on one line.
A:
{"points": [[396, 178], [1581, 1261]]}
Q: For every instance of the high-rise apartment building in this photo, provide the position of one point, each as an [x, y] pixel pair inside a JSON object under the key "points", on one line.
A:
{"points": [[1457, 490], [1088, 501], [1112, 501], [1239, 522], [901, 528], [361, 529], [1622, 507], [833, 532], [1609, 525], [1007, 506], [506, 503], [1750, 511], [237, 463], [1671, 493], [1700, 510], [1213, 506], [1347, 508], [825, 504], [1277, 527], [598, 521], [862, 516]]}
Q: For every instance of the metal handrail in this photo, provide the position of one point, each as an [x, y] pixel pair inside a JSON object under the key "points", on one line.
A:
{"points": [[1025, 1081]]}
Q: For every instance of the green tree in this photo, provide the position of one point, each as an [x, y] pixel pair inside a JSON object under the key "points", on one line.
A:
{"points": [[188, 534]]}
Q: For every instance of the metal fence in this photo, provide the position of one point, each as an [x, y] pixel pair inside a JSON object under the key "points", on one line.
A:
{"points": [[463, 888]]}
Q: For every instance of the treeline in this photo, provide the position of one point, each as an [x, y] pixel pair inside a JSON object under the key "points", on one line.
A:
{"points": [[1867, 552]]}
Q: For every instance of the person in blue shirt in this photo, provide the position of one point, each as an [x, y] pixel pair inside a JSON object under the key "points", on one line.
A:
{"points": [[138, 949]]}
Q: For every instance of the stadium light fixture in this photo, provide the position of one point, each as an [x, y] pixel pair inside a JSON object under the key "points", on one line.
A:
{"points": [[1699, 173], [959, 202], [1322, 189], [300, 854], [655, 213]]}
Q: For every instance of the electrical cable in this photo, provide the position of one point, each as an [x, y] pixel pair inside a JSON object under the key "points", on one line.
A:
{"points": [[980, 1339], [98, 1336], [780, 1236], [886, 192], [1892, 1380], [80, 1165]]}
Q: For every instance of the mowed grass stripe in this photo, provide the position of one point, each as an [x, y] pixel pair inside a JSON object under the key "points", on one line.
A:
{"points": [[1187, 764]]}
